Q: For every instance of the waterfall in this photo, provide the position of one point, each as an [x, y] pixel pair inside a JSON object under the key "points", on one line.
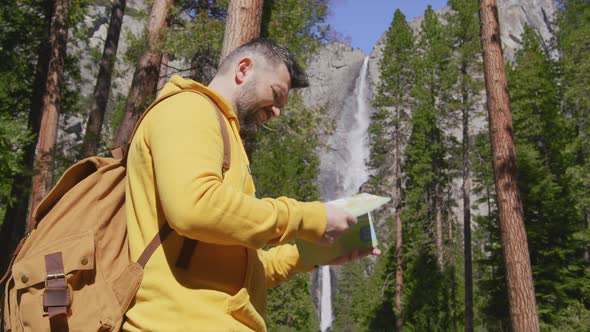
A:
{"points": [[326, 301], [343, 169]]}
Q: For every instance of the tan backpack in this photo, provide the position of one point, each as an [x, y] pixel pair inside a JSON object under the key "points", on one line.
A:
{"points": [[73, 271]]}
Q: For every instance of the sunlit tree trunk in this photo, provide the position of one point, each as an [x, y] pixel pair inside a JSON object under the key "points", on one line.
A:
{"points": [[466, 189], [439, 227], [145, 78], [58, 35], [242, 24], [103, 81], [15, 219], [521, 293]]}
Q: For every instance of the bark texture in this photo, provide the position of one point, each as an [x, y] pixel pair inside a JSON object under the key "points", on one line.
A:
{"points": [[58, 35], [242, 25], [102, 88], [15, 220], [145, 78], [521, 293]]}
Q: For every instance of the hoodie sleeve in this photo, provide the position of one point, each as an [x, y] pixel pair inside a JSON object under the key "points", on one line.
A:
{"points": [[184, 139], [281, 263]]}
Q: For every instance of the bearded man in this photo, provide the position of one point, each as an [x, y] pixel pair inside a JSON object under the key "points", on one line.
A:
{"points": [[176, 177]]}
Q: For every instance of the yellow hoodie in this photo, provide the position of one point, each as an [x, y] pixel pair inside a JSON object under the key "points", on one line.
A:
{"points": [[174, 176]]}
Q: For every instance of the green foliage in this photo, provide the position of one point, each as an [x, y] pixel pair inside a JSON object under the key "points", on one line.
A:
{"points": [[428, 301], [295, 310], [363, 301], [23, 28], [285, 159], [490, 295], [540, 134], [286, 163], [299, 25], [573, 41], [386, 132], [13, 135], [196, 35]]}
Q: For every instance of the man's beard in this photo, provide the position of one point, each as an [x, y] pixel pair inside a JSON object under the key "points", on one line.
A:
{"points": [[246, 108]]}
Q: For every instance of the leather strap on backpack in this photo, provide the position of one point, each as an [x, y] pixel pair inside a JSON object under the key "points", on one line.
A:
{"points": [[188, 245], [56, 297]]}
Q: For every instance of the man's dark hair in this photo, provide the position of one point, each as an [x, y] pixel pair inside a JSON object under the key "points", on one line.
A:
{"points": [[274, 54]]}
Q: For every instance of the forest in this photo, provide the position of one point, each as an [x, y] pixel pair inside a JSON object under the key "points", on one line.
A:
{"points": [[450, 261]]}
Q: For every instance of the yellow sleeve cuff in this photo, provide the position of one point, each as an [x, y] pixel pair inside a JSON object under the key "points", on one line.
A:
{"points": [[313, 226]]}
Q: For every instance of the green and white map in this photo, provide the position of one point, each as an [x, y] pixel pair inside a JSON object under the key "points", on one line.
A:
{"points": [[360, 236]]}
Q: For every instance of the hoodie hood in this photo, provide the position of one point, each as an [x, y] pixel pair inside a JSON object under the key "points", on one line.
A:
{"points": [[178, 83]]}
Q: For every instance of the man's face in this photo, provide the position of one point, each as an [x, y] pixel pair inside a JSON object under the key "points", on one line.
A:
{"points": [[261, 96]]}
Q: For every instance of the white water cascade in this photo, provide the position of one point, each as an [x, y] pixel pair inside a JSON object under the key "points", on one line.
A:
{"points": [[343, 169]]}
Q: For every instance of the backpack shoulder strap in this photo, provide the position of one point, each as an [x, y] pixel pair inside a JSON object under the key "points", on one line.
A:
{"points": [[165, 230]]}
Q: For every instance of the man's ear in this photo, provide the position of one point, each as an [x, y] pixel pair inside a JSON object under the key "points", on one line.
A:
{"points": [[243, 69]]}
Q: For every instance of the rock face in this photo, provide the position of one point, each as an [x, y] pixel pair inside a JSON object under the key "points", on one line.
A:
{"points": [[334, 83], [515, 14], [96, 23], [332, 76], [332, 89]]}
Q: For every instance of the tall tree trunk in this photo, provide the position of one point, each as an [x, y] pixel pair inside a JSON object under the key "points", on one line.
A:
{"points": [[145, 78], [163, 75], [452, 271], [466, 188], [103, 80], [521, 293], [42, 180], [439, 228], [399, 268], [242, 24], [15, 219]]}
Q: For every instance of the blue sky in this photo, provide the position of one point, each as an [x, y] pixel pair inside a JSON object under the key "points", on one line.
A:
{"points": [[365, 20]]}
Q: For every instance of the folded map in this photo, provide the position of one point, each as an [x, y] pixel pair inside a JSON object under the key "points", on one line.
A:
{"points": [[360, 236]]}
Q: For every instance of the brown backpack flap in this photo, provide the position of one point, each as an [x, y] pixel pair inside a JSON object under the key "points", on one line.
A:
{"points": [[71, 177]]}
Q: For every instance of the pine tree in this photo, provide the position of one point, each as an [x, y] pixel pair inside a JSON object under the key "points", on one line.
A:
{"points": [[573, 44], [44, 159], [393, 102], [199, 40], [490, 272], [464, 25], [540, 135], [145, 78], [103, 81], [521, 292], [285, 157], [427, 178], [24, 48]]}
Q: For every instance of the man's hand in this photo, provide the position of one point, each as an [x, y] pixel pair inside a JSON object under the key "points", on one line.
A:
{"points": [[338, 222]]}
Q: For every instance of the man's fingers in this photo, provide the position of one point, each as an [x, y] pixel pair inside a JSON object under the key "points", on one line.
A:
{"points": [[351, 220]]}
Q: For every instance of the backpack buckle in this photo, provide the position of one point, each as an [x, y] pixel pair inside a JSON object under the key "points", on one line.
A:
{"points": [[55, 277]]}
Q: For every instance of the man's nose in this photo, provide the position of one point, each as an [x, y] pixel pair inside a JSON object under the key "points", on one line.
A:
{"points": [[276, 112]]}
